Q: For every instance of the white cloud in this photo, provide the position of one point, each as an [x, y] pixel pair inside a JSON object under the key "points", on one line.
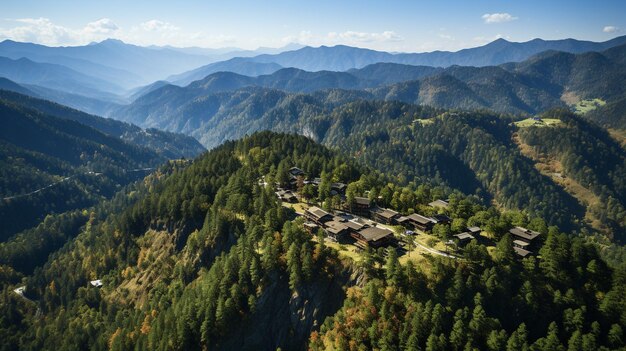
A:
{"points": [[611, 29], [364, 37], [153, 32], [44, 31], [157, 32], [345, 38], [498, 17], [39, 30], [101, 26], [159, 26]]}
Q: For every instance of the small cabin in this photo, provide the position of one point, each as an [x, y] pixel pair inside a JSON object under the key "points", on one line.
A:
{"points": [[361, 206], [317, 215], [287, 196], [338, 188], [373, 237], [384, 215], [464, 238], [441, 219], [421, 222], [524, 240], [474, 230], [336, 229], [295, 172]]}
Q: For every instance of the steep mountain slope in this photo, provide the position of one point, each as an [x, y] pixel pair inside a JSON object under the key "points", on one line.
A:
{"points": [[592, 159], [551, 79], [9, 85], [612, 115], [168, 145], [207, 229], [54, 165], [98, 106], [54, 76]]}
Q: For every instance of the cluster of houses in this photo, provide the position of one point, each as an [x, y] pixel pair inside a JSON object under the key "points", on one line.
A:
{"points": [[367, 233], [412, 221]]}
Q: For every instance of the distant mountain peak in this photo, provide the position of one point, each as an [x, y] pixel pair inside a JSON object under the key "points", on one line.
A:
{"points": [[111, 41]]}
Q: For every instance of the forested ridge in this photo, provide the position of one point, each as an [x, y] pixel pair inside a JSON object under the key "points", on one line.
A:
{"points": [[592, 157], [203, 256]]}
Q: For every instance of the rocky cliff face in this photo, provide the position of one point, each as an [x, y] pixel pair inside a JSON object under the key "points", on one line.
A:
{"points": [[284, 319]]}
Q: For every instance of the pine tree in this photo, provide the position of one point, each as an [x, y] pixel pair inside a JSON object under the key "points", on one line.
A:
{"points": [[518, 341], [294, 266], [307, 261]]}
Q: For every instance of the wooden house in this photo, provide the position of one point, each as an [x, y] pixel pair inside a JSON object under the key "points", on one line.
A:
{"points": [[384, 215], [421, 222], [464, 238], [336, 229], [361, 206], [441, 219], [287, 196], [373, 237], [317, 215], [524, 240], [295, 171]]}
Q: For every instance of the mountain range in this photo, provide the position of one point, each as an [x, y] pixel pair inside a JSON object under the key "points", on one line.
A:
{"points": [[343, 58], [551, 79], [93, 76]]}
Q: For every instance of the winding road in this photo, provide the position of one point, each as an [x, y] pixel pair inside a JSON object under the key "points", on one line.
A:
{"points": [[68, 178], [433, 251]]}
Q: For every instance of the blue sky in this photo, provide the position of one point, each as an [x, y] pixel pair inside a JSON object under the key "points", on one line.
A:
{"points": [[392, 25]]}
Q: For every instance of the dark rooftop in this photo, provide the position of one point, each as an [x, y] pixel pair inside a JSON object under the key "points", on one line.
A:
{"points": [[441, 218], [317, 212], [524, 233], [464, 236], [362, 200], [419, 218], [474, 230], [521, 252], [375, 233], [385, 212], [354, 225], [296, 171], [335, 227]]}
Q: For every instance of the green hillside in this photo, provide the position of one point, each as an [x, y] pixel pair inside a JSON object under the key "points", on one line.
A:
{"points": [[52, 165], [204, 256]]}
